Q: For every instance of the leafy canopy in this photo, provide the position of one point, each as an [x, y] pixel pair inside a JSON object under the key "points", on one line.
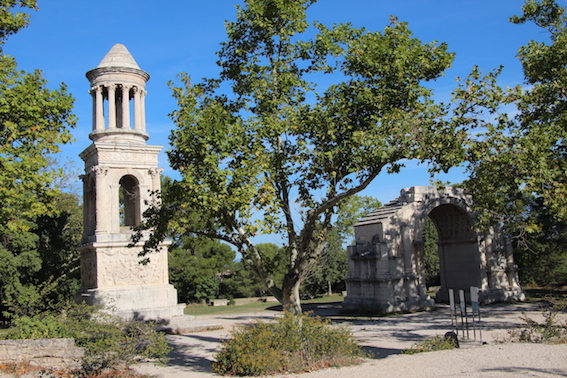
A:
{"points": [[523, 159], [34, 121]]}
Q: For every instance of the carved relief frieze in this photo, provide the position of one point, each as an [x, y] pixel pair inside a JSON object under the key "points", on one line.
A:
{"points": [[130, 156]]}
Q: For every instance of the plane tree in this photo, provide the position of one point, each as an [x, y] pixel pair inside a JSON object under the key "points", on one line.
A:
{"points": [[263, 148]]}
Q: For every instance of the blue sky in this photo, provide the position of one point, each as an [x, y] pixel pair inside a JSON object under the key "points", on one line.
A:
{"points": [[67, 38]]}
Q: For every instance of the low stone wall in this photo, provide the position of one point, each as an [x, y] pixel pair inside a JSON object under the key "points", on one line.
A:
{"points": [[53, 353]]}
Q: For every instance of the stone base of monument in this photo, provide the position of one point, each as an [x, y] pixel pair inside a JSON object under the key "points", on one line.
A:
{"points": [[153, 302], [185, 324], [372, 305], [485, 296]]}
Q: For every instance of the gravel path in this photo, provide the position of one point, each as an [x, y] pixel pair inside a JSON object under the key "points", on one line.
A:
{"points": [[385, 338]]}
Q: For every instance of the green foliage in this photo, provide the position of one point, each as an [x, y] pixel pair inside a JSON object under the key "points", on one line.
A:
{"points": [[108, 340], [34, 122], [431, 254], [11, 22], [244, 283], [198, 268], [551, 330], [523, 159], [329, 271], [40, 269], [541, 255], [431, 344], [259, 142], [291, 344]]}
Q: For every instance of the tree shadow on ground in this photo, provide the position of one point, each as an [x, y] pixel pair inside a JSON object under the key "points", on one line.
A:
{"points": [[246, 318], [190, 355], [417, 326], [193, 352], [524, 371], [377, 353]]}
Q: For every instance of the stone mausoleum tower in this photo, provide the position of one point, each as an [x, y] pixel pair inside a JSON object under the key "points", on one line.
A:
{"points": [[120, 172]]}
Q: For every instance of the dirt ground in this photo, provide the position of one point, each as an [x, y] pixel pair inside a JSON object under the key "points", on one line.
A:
{"points": [[385, 338]]}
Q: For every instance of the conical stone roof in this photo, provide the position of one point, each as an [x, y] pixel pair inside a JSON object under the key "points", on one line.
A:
{"points": [[118, 56]]}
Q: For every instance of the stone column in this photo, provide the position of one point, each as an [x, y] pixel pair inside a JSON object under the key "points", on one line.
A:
{"points": [[155, 184], [101, 200], [112, 106], [155, 174], [98, 112], [99, 108], [86, 214], [136, 93], [125, 106], [92, 92], [143, 109]]}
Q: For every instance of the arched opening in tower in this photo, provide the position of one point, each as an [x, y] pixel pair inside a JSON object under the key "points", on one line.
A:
{"points": [[129, 196]]}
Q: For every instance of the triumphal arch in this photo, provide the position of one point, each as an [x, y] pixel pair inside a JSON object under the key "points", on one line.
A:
{"points": [[386, 270], [121, 172]]}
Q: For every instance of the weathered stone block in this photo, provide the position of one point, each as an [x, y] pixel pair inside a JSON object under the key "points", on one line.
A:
{"points": [[53, 353], [219, 302]]}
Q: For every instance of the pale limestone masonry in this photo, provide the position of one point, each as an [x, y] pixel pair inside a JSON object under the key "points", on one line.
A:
{"points": [[386, 271], [121, 171], [52, 353]]}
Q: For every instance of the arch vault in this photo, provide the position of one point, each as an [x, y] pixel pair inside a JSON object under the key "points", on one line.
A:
{"points": [[386, 271]]}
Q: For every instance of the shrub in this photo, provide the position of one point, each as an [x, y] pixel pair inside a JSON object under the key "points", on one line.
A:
{"points": [[108, 340], [25, 369], [552, 329], [290, 344], [432, 344]]}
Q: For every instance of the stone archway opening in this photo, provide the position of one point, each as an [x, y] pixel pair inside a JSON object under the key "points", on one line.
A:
{"points": [[457, 248], [430, 257]]}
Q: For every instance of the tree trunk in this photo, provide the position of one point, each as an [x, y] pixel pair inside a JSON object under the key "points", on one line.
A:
{"points": [[290, 293], [329, 288]]}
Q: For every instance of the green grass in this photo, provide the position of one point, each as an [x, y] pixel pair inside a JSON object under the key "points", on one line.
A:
{"points": [[201, 309], [536, 294], [431, 344]]}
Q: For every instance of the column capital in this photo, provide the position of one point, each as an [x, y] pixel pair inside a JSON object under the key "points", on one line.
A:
{"points": [[99, 170], [125, 122], [155, 171]]}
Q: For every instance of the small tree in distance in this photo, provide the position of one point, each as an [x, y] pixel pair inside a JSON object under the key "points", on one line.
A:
{"points": [[331, 267], [260, 151]]}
